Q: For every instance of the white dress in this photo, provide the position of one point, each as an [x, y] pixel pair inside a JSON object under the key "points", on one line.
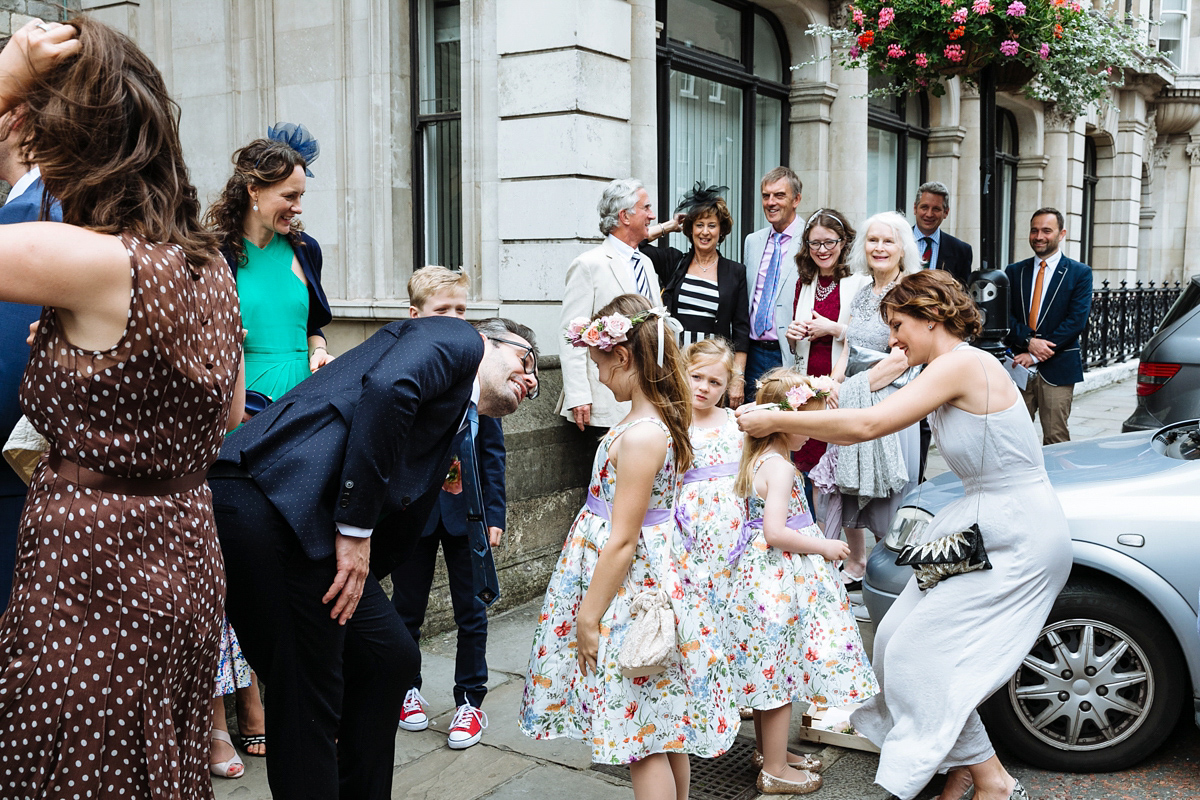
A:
{"points": [[940, 653]]}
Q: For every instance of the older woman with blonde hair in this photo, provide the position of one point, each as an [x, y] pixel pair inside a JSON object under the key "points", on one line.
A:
{"points": [[874, 477]]}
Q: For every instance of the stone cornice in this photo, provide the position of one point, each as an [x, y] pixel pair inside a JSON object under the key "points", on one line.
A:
{"points": [[811, 100]]}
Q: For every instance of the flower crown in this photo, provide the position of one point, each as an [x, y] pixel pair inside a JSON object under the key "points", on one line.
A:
{"points": [[607, 332], [794, 399]]}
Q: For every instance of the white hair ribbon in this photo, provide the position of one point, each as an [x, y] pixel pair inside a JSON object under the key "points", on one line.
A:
{"points": [[671, 323]]}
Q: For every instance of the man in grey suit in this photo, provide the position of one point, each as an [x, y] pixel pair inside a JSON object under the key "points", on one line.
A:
{"points": [[593, 280], [770, 258]]}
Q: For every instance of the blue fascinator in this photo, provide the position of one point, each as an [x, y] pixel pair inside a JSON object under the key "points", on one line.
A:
{"points": [[299, 139]]}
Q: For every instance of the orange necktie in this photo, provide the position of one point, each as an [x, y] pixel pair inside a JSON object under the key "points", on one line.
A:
{"points": [[1037, 297]]}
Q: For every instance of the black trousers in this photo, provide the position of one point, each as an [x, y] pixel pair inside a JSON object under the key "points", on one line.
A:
{"points": [[334, 692], [412, 581]]}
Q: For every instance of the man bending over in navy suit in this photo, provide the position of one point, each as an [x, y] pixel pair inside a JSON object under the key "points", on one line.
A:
{"points": [[317, 496], [1050, 297], [437, 291], [24, 204]]}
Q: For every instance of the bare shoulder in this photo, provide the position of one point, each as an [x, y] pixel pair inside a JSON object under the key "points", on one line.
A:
{"points": [[642, 443]]}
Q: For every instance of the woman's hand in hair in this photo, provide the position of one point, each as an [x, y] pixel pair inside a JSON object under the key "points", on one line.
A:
{"points": [[33, 51]]}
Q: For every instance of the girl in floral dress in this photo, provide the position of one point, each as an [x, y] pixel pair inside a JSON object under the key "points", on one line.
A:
{"points": [[625, 540], [796, 634], [712, 514]]}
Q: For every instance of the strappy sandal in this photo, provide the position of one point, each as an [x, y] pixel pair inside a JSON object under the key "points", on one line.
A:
{"points": [[251, 739], [806, 761], [233, 768], [769, 784]]}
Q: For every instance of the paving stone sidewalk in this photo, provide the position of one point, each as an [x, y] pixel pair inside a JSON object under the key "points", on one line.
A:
{"points": [[506, 765]]}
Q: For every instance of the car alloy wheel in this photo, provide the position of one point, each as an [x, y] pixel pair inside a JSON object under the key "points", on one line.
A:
{"points": [[1101, 688], [1083, 686]]}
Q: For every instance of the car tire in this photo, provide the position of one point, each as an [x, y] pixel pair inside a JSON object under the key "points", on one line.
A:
{"points": [[1052, 718]]}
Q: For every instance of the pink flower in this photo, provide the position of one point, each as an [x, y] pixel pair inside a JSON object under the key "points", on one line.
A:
{"points": [[592, 336], [799, 395], [1044, 50], [953, 52], [1009, 47], [886, 15], [575, 327], [1016, 9], [922, 60], [617, 326], [895, 51], [859, 19], [947, 3], [959, 16], [855, 51], [981, 6]]}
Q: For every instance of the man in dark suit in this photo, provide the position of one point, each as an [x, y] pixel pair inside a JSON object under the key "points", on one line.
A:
{"points": [[939, 249], [1050, 299], [24, 204], [326, 489]]}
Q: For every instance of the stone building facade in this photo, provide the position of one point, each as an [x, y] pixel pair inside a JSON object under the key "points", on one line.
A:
{"points": [[479, 133]]}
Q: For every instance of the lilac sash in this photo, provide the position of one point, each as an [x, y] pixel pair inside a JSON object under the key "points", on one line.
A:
{"points": [[695, 476], [752, 526], [655, 516]]}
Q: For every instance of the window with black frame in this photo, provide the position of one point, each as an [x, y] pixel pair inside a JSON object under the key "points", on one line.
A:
{"points": [[1087, 234], [897, 139], [1006, 183], [437, 139], [723, 104]]}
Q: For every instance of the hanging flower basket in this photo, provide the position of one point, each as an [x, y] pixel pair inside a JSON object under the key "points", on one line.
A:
{"points": [[1052, 50]]}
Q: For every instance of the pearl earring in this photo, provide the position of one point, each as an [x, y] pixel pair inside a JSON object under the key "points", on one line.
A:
{"points": [[256, 206], [930, 326]]}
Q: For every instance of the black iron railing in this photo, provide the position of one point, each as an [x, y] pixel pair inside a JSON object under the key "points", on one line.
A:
{"points": [[1123, 320]]}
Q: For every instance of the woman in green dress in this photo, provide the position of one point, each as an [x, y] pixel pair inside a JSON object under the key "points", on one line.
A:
{"points": [[278, 271]]}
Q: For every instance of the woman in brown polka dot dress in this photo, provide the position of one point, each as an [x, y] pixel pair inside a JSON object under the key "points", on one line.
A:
{"points": [[108, 647]]}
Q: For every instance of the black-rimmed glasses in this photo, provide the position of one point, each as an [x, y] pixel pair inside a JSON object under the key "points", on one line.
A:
{"points": [[528, 361], [825, 244]]}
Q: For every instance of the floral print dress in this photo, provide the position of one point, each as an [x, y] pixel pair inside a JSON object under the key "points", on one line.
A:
{"points": [[794, 631], [687, 709], [714, 514]]}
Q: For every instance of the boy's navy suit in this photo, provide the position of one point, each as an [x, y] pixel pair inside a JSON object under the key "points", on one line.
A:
{"points": [[448, 528]]}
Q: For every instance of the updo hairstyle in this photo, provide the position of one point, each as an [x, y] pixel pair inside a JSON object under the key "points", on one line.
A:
{"points": [[934, 295]]}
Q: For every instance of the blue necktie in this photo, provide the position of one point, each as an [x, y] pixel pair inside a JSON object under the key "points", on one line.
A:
{"points": [[639, 277], [473, 418], [764, 316]]}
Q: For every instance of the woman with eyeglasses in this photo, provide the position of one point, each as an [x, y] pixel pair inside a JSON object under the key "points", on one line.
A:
{"points": [[824, 287]]}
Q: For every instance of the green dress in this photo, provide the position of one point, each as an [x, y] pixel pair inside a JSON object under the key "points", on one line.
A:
{"points": [[275, 314]]}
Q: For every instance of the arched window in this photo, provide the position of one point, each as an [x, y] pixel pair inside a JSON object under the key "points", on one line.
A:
{"points": [[897, 136], [1087, 236], [1006, 183], [723, 89]]}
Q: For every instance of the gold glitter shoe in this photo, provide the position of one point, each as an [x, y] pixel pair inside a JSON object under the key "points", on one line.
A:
{"points": [[805, 762], [769, 784]]}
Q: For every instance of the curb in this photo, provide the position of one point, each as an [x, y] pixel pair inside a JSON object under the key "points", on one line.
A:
{"points": [[1097, 379]]}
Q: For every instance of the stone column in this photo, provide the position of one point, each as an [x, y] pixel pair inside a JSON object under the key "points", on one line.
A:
{"points": [[847, 164], [1121, 248], [1031, 177], [565, 107], [966, 208], [1056, 145], [944, 154], [809, 143], [643, 121], [1191, 235]]}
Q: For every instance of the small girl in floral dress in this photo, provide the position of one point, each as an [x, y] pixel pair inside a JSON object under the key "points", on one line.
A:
{"points": [[624, 540], [712, 514], [796, 634]]}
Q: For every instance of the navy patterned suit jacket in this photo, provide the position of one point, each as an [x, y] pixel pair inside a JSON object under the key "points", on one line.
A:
{"points": [[1064, 314], [365, 440]]}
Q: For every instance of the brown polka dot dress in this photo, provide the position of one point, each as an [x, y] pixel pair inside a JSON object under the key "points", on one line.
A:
{"points": [[108, 648]]}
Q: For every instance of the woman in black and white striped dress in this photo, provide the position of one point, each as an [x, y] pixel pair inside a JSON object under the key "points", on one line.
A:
{"points": [[704, 290]]}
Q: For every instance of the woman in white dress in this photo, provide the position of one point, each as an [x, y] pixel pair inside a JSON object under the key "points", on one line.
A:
{"points": [[939, 652]]}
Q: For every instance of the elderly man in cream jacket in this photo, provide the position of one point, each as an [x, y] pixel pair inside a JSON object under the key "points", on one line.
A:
{"points": [[593, 280]]}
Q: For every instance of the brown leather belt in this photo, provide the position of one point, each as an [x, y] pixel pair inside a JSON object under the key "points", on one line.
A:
{"points": [[143, 487]]}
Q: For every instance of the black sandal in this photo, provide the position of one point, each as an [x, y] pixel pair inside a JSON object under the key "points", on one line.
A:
{"points": [[252, 739]]}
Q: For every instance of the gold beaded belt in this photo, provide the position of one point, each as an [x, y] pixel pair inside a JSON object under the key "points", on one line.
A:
{"points": [[144, 487]]}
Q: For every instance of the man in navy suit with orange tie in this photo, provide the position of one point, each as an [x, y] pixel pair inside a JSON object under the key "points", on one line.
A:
{"points": [[24, 204], [319, 494], [1050, 297]]}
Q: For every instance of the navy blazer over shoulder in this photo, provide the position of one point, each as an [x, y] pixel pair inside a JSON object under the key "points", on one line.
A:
{"points": [[309, 256], [451, 509], [1064, 314], [955, 256], [366, 440]]}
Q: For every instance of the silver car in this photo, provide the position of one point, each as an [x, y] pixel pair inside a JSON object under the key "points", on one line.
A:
{"points": [[1120, 654]]}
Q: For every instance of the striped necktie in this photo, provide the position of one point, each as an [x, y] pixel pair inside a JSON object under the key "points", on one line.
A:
{"points": [[639, 276]]}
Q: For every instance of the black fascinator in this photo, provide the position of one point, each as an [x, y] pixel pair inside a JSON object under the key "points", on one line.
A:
{"points": [[700, 196]]}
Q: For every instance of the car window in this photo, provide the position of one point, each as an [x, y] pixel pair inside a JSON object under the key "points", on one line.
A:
{"points": [[1184, 303]]}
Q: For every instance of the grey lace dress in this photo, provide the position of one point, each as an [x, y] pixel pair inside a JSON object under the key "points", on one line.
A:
{"points": [[940, 653]]}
